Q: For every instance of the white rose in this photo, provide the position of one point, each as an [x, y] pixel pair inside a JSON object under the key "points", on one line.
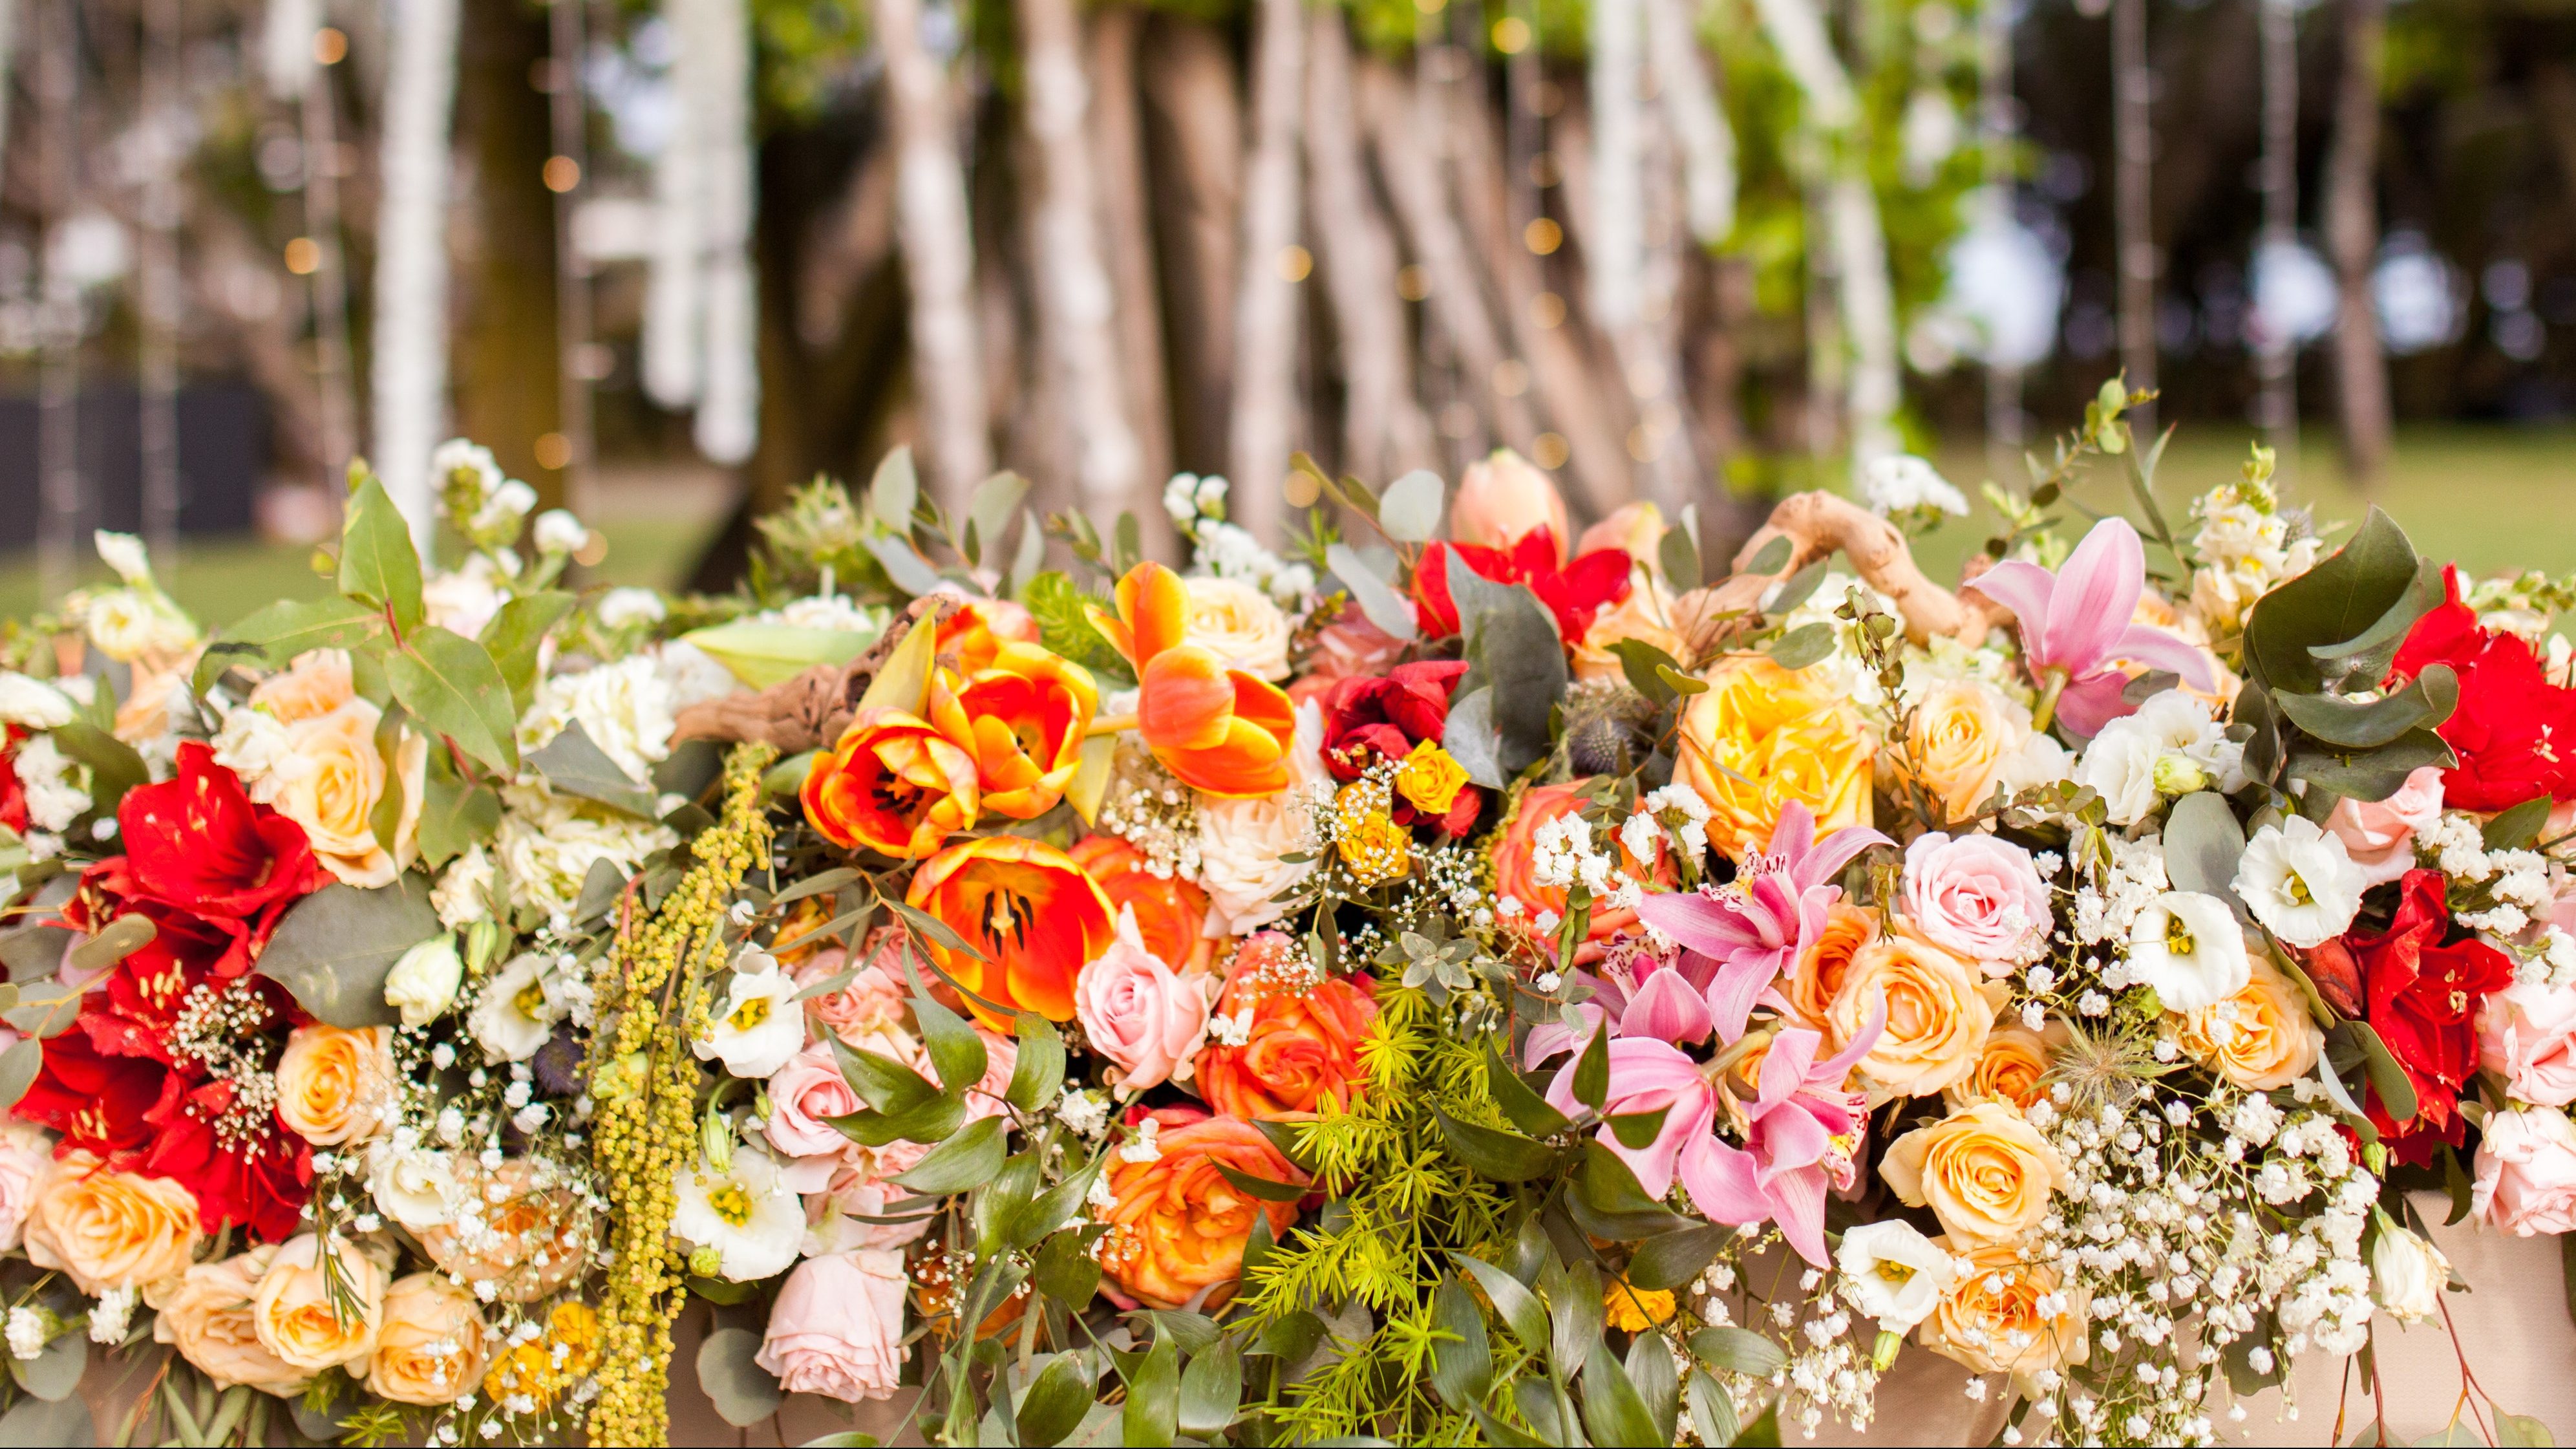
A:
{"points": [[517, 1011], [250, 743], [557, 531], [547, 844], [415, 1186], [1896, 1275], [2407, 1274], [1239, 623], [32, 704], [462, 600], [423, 983], [2300, 882], [463, 894], [57, 789], [1243, 844], [624, 707], [622, 608], [2189, 947], [759, 1027]]}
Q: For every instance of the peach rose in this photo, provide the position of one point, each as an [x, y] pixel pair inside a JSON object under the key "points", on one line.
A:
{"points": [[316, 683], [1647, 614], [1993, 1318], [1514, 876], [329, 780], [335, 1085], [1139, 1013], [837, 1328], [1761, 736], [2380, 836], [2527, 1035], [1938, 1015], [868, 1010], [1984, 1172], [1171, 913], [432, 1347], [110, 1229], [1300, 1040], [2011, 1069], [534, 1235], [1177, 1227], [2526, 1182], [294, 1313], [1964, 734], [1817, 977], [26, 1155], [1503, 497], [804, 1096], [205, 1313], [2262, 1038]]}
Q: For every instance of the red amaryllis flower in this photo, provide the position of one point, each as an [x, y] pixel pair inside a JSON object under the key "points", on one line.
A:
{"points": [[13, 796], [95, 1100], [259, 1178], [2422, 997], [2514, 731], [1573, 592], [197, 844]]}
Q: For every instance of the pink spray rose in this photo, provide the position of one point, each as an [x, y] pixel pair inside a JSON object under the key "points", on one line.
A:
{"points": [[835, 1327], [1138, 1012], [803, 1096], [1979, 897], [2380, 837], [2527, 1035], [2526, 1181], [871, 1005]]}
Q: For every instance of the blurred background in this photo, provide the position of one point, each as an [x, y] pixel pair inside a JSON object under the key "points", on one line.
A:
{"points": [[669, 260]]}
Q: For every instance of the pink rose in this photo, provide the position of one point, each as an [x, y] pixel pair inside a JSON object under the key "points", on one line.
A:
{"points": [[2380, 837], [1979, 897], [835, 1327], [25, 1152], [1138, 1012], [2527, 1173], [803, 1096], [2527, 1035], [871, 1004], [1347, 648], [1502, 497]]}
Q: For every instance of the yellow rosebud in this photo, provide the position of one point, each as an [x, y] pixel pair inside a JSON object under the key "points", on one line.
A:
{"points": [[1634, 1309], [1429, 780]]}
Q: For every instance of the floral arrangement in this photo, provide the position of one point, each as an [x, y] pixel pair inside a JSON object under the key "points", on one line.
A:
{"points": [[1456, 980]]}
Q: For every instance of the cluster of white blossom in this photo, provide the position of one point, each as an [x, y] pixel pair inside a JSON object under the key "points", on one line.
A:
{"points": [[1828, 1367], [2247, 547], [1196, 506]]}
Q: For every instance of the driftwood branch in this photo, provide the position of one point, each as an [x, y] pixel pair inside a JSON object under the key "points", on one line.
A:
{"points": [[810, 710], [1819, 524]]}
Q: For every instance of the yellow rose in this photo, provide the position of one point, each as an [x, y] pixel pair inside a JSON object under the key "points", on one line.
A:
{"points": [[1240, 624], [1939, 1013], [2262, 1038], [535, 1368], [329, 781], [1429, 780], [2010, 1068], [1647, 614], [431, 1348], [205, 1313], [293, 1312], [1761, 736], [1963, 733], [1990, 1318], [110, 1229], [336, 1085], [1984, 1172]]}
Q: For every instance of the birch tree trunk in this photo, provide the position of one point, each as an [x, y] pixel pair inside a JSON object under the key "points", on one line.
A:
{"points": [[1127, 235], [1197, 150], [938, 246], [2133, 143], [1384, 430], [1697, 120], [409, 375], [2352, 236], [727, 426], [1074, 301], [1265, 318], [673, 302]]}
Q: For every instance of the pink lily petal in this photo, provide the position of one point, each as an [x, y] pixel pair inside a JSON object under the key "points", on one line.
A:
{"points": [[2021, 587], [1549, 1038], [2157, 649], [1739, 984], [1712, 927], [2097, 592], [1788, 1141], [1788, 1066], [1721, 1183], [1798, 1206], [1829, 858], [2092, 702], [1665, 1008]]}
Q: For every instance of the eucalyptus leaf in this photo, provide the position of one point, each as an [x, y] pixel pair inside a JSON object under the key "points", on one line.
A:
{"points": [[743, 1392], [36, 1423], [894, 491], [45, 1010], [2336, 602], [2202, 845], [333, 949], [1805, 645], [906, 567], [990, 506], [55, 1372], [1471, 739], [455, 814], [115, 941], [114, 767], [1678, 555], [2373, 775], [18, 1068], [574, 764], [1512, 647], [1377, 598], [2426, 700], [1410, 508]]}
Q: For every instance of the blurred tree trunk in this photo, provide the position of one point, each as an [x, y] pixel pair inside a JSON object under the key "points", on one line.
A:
{"points": [[1127, 239], [938, 256], [508, 391], [2352, 240], [1266, 415], [1197, 152]]}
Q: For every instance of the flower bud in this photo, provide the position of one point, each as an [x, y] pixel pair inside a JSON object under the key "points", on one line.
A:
{"points": [[423, 983], [2179, 775], [1504, 497], [2407, 1274]]}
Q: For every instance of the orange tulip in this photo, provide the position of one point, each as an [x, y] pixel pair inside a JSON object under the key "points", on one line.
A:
{"points": [[1171, 913], [897, 782], [1220, 731], [977, 629], [1037, 916], [1029, 709]]}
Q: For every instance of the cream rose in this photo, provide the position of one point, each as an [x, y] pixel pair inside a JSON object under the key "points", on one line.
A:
{"points": [[26, 1155], [1937, 1015], [1984, 1172], [330, 780], [205, 1313], [432, 1346], [110, 1229], [1240, 624], [1994, 1317], [2261, 1038], [1965, 736], [335, 1085], [293, 1312]]}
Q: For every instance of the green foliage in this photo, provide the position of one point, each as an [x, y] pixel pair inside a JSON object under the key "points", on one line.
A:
{"points": [[1053, 599]]}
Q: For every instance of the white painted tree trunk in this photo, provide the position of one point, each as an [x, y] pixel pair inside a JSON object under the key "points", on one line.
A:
{"points": [[410, 372], [1265, 320], [1698, 122], [728, 420], [1127, 240], [1617, 252], [286, 46], [673, 285], [938, 256], [1074, 297]]}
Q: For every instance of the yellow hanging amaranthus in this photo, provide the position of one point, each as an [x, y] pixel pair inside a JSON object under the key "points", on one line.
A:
{"points": [[644, 1080]]}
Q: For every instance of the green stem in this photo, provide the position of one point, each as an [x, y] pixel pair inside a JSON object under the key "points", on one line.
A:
{"points": [[2053, 684]]}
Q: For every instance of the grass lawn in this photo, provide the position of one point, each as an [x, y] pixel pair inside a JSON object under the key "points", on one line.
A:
{"points": [[2491, 498]]}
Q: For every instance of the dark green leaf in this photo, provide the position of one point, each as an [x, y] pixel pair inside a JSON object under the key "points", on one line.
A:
{"points": [[1512, 648], [1658, 1381], [1261, 1187], [1463, 1370], [1153, 1408], [378, 563], [2518, 828], [2426, 701], [1038, 1073], [1053, 1208], [1057, 1399], [2364, 658], [1711, 1409], [2396, 1091], [1542, 1401], [885, 1084], [1805, 645], [516, 636], [1613, 1411], [956, 1051], [744, 1393], [1641, 664], [970, 1158], [1575, 1314], [1519, 1308], [1210, 1389], [1376, 597], [273, 636], [1609, 1203], [333, 949], [1066, 1271], [1291, 1337], [114, 767], [1493, 1153], [815, 885], [934, 930], [1495, 1431], [1592, 1071], [1637, 1130], [1669, 1260], [2376, 774], [574, 764], [451, 685], [2333, 603], [455, 814], [1740, 1349], [1526, 1109], [1763, 1432]]}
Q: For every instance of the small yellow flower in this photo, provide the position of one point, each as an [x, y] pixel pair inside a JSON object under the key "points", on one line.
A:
{"points": [[1633, 1309], [547, 1365], [1429, 780], [1373, 846]]}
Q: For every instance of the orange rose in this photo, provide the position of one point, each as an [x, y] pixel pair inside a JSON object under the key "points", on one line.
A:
{"points": [[1818, 976], [1303, 1045], [2013, 1067], [433, 1344], [1177, 1227], [1028, 709], [2261, 1039], [533, 1237], [1220, 731], [1512, 876], [1171, 913], [896, 782], [335, 1085], [1938, 1014], [976, 630], [110, 1229], [2003, 1315], [1037, 916]]}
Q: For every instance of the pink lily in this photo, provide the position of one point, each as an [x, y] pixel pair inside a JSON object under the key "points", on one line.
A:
{"points": [[2075, 627], [1758, 926], [1780, 1174], [1647, 1075]]}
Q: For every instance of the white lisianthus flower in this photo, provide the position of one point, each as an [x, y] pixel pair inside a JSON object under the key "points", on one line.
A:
{"points": [[760, 1027], [2407, 1274], [57, 789], [746, 1215], [2300, 882], [31, 703], [1895, 1274], [125, 553], [626, 607], [1898, 482], [558, 531], [413, 1185], [2189, 947], [423, 983], [547, 844], [517, 1012], [2170, 746], [250, 743], [128, 624], [624, 707]]}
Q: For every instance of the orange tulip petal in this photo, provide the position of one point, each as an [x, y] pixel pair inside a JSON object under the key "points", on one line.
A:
{"points": [[1185, 701], [1248, 763], [1156, 607], [1264, 704]]}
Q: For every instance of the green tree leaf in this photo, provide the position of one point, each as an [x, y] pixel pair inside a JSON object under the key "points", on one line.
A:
{"points": [[1462, 1362], [1057, 1399], [515, 635], [1153, 1398], [1658, 1381], [114, 767], [1740, 1349], [1669, 1260], [1521, 1311], [455, 814], [894, 491], [378, 564], [2202, 845], [452, 686], [1520, 1102], [1493, 1153], [276, 634], [1038, 1073], [1211, 1389], [1613, 1411], [970, 1158]]}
